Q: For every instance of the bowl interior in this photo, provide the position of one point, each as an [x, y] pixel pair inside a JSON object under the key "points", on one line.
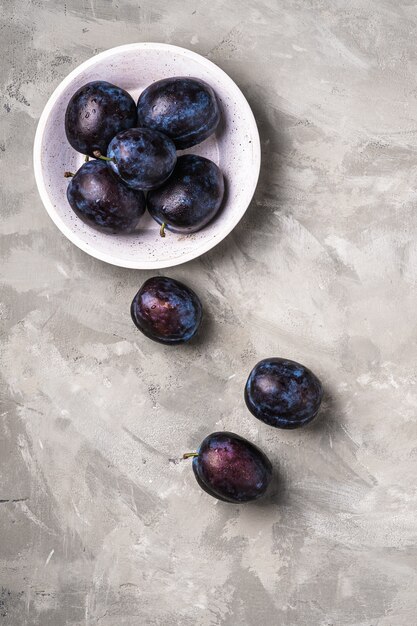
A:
{"points": [[234, 147]]}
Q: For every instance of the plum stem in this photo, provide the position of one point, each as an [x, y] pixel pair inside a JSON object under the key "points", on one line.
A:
{"points": [[162, 229], [98, 155], [188, 455], [87, 158], [68, 174]]}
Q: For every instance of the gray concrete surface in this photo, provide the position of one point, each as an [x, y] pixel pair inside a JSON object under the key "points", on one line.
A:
{"points": [[99, 523]]}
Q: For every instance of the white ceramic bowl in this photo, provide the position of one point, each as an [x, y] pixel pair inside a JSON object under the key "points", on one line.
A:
{"points": [[235, 147]]}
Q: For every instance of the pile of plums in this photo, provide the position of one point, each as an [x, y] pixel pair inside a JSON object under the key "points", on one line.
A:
{"points": [[279, 392], [135, 151]]}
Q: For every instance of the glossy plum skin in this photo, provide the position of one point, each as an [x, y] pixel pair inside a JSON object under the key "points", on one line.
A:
{"points": [[166, 311], [143, 158], [95, 114], [283, 393], [103, 201], [185, 109], [191, 197], [231, 468]]}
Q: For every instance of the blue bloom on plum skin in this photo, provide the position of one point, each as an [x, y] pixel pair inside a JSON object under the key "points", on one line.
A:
{"points": [[283, 393], [95, 114], [191, 197], [166, 311], [143, 158], [231, 468], [185, 109], [103, 201]]}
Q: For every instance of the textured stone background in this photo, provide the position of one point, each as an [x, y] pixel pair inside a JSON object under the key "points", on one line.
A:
{"points": [[99, 523]]}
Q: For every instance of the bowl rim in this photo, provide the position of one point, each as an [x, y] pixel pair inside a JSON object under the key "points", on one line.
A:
{"points": [[155, 263]]}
